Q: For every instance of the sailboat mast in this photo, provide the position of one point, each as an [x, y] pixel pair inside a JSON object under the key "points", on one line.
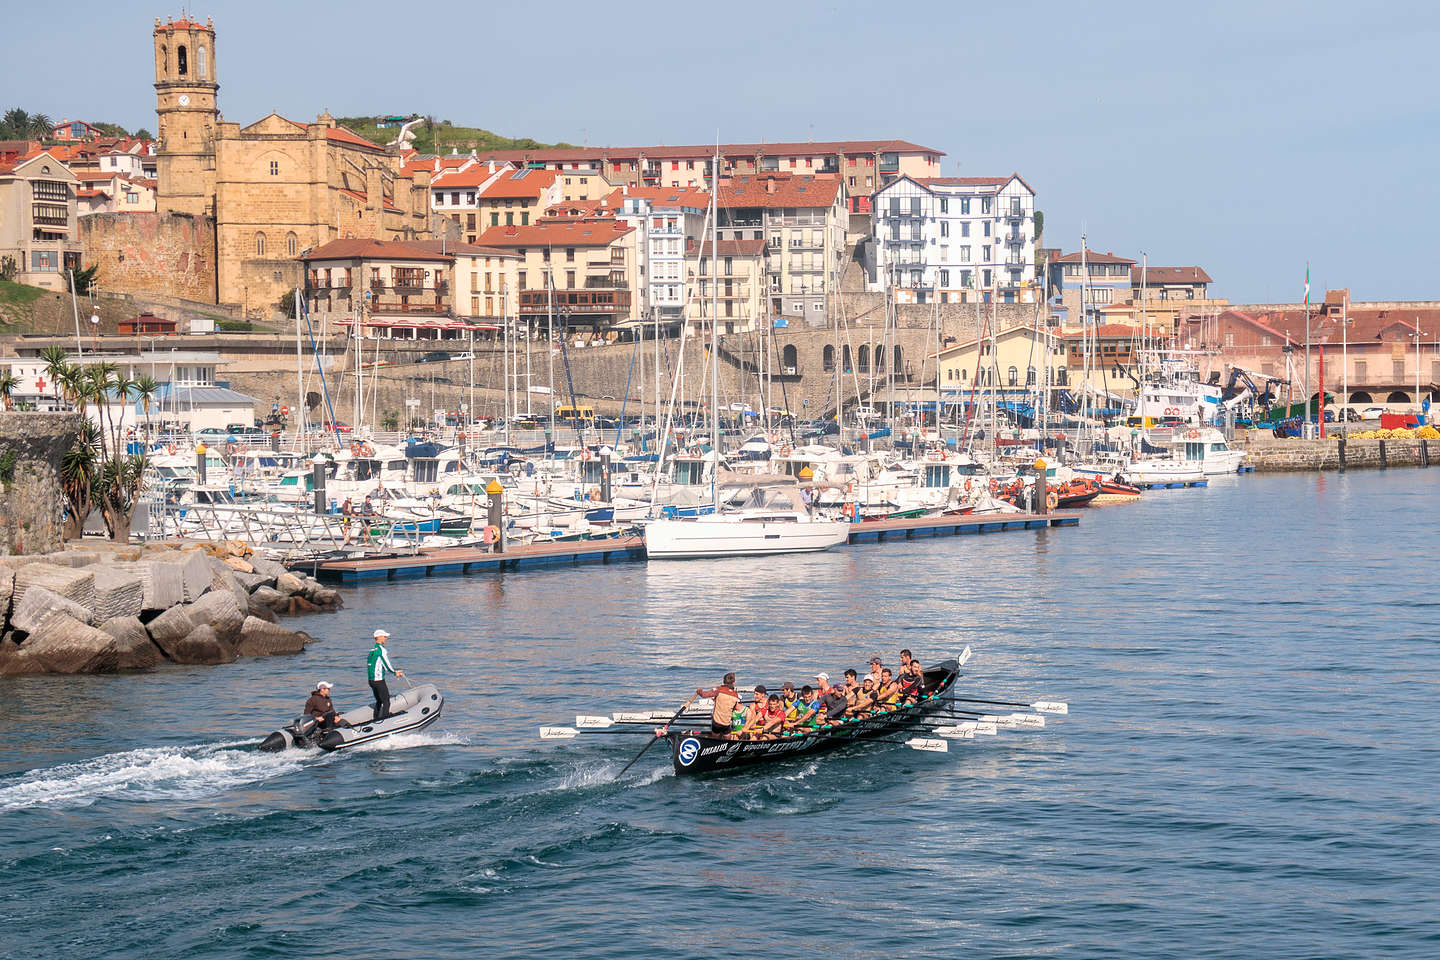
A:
{"points": [[550, 322], [715, 325]]}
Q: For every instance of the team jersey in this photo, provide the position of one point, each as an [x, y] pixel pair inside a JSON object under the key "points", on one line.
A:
{"points": [[378, 663]]}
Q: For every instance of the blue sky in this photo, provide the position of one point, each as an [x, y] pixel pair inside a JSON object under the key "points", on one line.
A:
{"points": [[1245, 137]]}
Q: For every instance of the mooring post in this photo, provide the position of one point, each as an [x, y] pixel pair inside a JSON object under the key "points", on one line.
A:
{"points": [[1340, 446], [1041, 505], [1384, 463], [1424, 452], [317, 480], [497, 513], [200, 463]]}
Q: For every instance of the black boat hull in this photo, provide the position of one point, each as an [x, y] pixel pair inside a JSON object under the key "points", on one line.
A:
{"points": [[700, 753]]}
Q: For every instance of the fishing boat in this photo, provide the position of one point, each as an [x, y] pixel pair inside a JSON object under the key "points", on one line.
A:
{"points": [[699, 752]]}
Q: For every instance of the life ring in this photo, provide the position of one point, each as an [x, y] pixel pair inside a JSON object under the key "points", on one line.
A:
{"points": [[585, 454], [849, 510], [170, 449], [492, 533], [967, 484], [1193, 435], [785, 451], [1052, 500], [994, 485], [593, 494], [366, 450], [355, 449], [850, 487]]}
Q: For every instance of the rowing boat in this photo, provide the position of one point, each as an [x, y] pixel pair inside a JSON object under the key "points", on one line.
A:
{"points": [[699, 752]]}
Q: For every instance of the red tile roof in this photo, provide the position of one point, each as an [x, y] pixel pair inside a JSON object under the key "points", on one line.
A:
{"points": [[704, 151], [459, 249], [1168, 275], [353, 248], [344, 135], [184, 24], [556, 234], [473, 176], [1367, 324], [1091, 256], [532, 185], [769, 190]]}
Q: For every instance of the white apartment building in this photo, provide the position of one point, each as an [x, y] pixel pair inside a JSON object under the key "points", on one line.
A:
{"points": [[668, 224], [955, 238]]}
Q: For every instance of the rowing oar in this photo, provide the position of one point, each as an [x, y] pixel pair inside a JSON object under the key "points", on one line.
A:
{"points": [[1039, 706], [658, 734]]}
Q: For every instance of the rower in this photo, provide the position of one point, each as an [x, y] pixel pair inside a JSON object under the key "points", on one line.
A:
{"points": [[790, 700], [905, 659], [852, 691], [875, 667], [832, 700], [726, 700], [865, 698], [755, 713], [807, 708], [773, 718], [887, 692]]}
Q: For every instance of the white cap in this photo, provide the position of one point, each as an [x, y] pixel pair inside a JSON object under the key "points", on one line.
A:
{"points": [[324, 683], [823, 676], [381, 633]]}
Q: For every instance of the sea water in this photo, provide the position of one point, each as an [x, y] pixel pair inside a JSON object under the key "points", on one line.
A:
{"points": [[1248, 766]]}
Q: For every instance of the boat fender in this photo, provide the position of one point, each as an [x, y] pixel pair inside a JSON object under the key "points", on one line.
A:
{"points": [[492, 533], [593, 494], [170, 449], [967, 485], [994, 485]]}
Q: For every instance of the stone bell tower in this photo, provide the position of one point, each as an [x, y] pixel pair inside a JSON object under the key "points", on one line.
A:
{"points": [[185, 91]]}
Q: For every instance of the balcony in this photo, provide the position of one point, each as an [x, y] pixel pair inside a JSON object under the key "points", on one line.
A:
{"points": [[1015, 239], [1012, 213], [610, 301]]}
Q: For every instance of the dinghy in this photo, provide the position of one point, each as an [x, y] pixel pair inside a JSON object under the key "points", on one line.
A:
{"points": [[411, 710]]}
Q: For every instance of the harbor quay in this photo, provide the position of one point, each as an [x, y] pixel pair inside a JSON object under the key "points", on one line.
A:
{"points": [[1269, 454]]}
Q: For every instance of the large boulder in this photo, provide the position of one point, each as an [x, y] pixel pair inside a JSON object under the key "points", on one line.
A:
{"points": [[223, 578], [200, 645], [69, 582], [40, 604], [72, 558], [239, 565], [170, 627], [250, 581], [267, 568], [269, 597], [258, 609], [7, 590], [222, 612], [261, 639], [13, 660], [289, 584], [119, 591], [327, 597], [64, 644], [164, 583], [195, 574], [133, 646]]}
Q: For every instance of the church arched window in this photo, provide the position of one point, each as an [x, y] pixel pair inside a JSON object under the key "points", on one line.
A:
{"points": [[182, 62], [259, 244], [292, 245], [200, 64]]}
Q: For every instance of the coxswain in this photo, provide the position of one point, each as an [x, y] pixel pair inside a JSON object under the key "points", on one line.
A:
{"points": [[726, 700]]}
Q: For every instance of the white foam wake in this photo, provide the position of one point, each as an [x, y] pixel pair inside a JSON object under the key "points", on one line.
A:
{"points": [[156, 773], [404, 741]]}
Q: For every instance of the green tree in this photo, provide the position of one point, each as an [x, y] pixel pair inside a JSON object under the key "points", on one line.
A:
{"points": [[70, 381], [143, 134], [41, 126], [9, 382], [146, 390], [85, 278], [55, 362], [286, 304], [15, 124], [9, 269], [77, 478], [1039, 226]]}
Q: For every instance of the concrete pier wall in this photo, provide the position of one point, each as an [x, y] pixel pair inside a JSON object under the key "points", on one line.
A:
{"points": [[1269, 454]]}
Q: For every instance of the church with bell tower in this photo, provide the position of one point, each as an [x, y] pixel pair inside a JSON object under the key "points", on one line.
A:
{"points": [[185, 105]]}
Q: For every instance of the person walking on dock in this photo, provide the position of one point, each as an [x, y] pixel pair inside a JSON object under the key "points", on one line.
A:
{"points": [[378, 664]]}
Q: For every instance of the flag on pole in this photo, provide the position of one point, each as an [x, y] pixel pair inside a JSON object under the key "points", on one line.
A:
{"points": [[1307, 283]]}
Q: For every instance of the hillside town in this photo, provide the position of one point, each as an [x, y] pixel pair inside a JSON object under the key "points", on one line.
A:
{"points": [[818, 252]]}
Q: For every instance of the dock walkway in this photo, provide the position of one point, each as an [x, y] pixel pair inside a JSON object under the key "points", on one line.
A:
{"points": [[464, 560]]}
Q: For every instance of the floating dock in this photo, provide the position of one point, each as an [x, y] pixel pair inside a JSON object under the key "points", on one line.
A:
{"points": [[1169, 484], [445, 561]]}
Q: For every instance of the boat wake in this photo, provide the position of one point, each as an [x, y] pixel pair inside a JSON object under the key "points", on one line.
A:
{"points": [[156, 773], [405, 741]]}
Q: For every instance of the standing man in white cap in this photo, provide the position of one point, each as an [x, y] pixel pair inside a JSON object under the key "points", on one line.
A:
{"points": [[378, 664]]}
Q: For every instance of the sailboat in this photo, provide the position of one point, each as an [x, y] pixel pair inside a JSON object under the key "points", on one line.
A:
{"points": [[774, 517]]}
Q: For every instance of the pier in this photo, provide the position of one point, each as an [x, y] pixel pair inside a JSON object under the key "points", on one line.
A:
{"points": [[466, 560]]}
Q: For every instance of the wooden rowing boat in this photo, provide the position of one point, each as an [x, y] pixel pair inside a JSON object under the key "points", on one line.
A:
{"points": [[699, 752]]}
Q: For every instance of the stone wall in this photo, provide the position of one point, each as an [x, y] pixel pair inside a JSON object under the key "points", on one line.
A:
{"points": [[1270, 454], [31, 504], [152, 254]]}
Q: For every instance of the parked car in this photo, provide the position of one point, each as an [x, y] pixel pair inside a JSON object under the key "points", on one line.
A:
{"points": [[434, 356], [1372, 413]]}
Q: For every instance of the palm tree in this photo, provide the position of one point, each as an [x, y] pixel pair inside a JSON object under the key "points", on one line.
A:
{"points": [[54, 359], [146, 388], [41, 126], [70, 384], [77, 478], [8, 382]]}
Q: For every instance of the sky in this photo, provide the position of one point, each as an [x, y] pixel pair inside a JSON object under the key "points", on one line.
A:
{"points": [[1250, 138]]}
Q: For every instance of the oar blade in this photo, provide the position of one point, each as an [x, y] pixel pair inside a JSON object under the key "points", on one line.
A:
{"points": [[593, 723], [965, 655], [957, 732], [985, 729], [636, 716], [928, 744], [558, 733], [1032, 721], [1050, 706]]}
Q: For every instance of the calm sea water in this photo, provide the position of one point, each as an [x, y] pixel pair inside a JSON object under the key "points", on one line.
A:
{"points": [[1249, 765]]}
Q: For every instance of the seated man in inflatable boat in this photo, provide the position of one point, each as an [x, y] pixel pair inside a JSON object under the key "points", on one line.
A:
{"points": [[319, 708]]}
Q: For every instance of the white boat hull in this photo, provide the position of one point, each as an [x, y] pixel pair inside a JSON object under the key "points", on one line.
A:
{"points": [[725, 537]]}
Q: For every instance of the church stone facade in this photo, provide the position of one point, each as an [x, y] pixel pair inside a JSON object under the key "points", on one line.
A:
{"points": [[272, 189]]}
